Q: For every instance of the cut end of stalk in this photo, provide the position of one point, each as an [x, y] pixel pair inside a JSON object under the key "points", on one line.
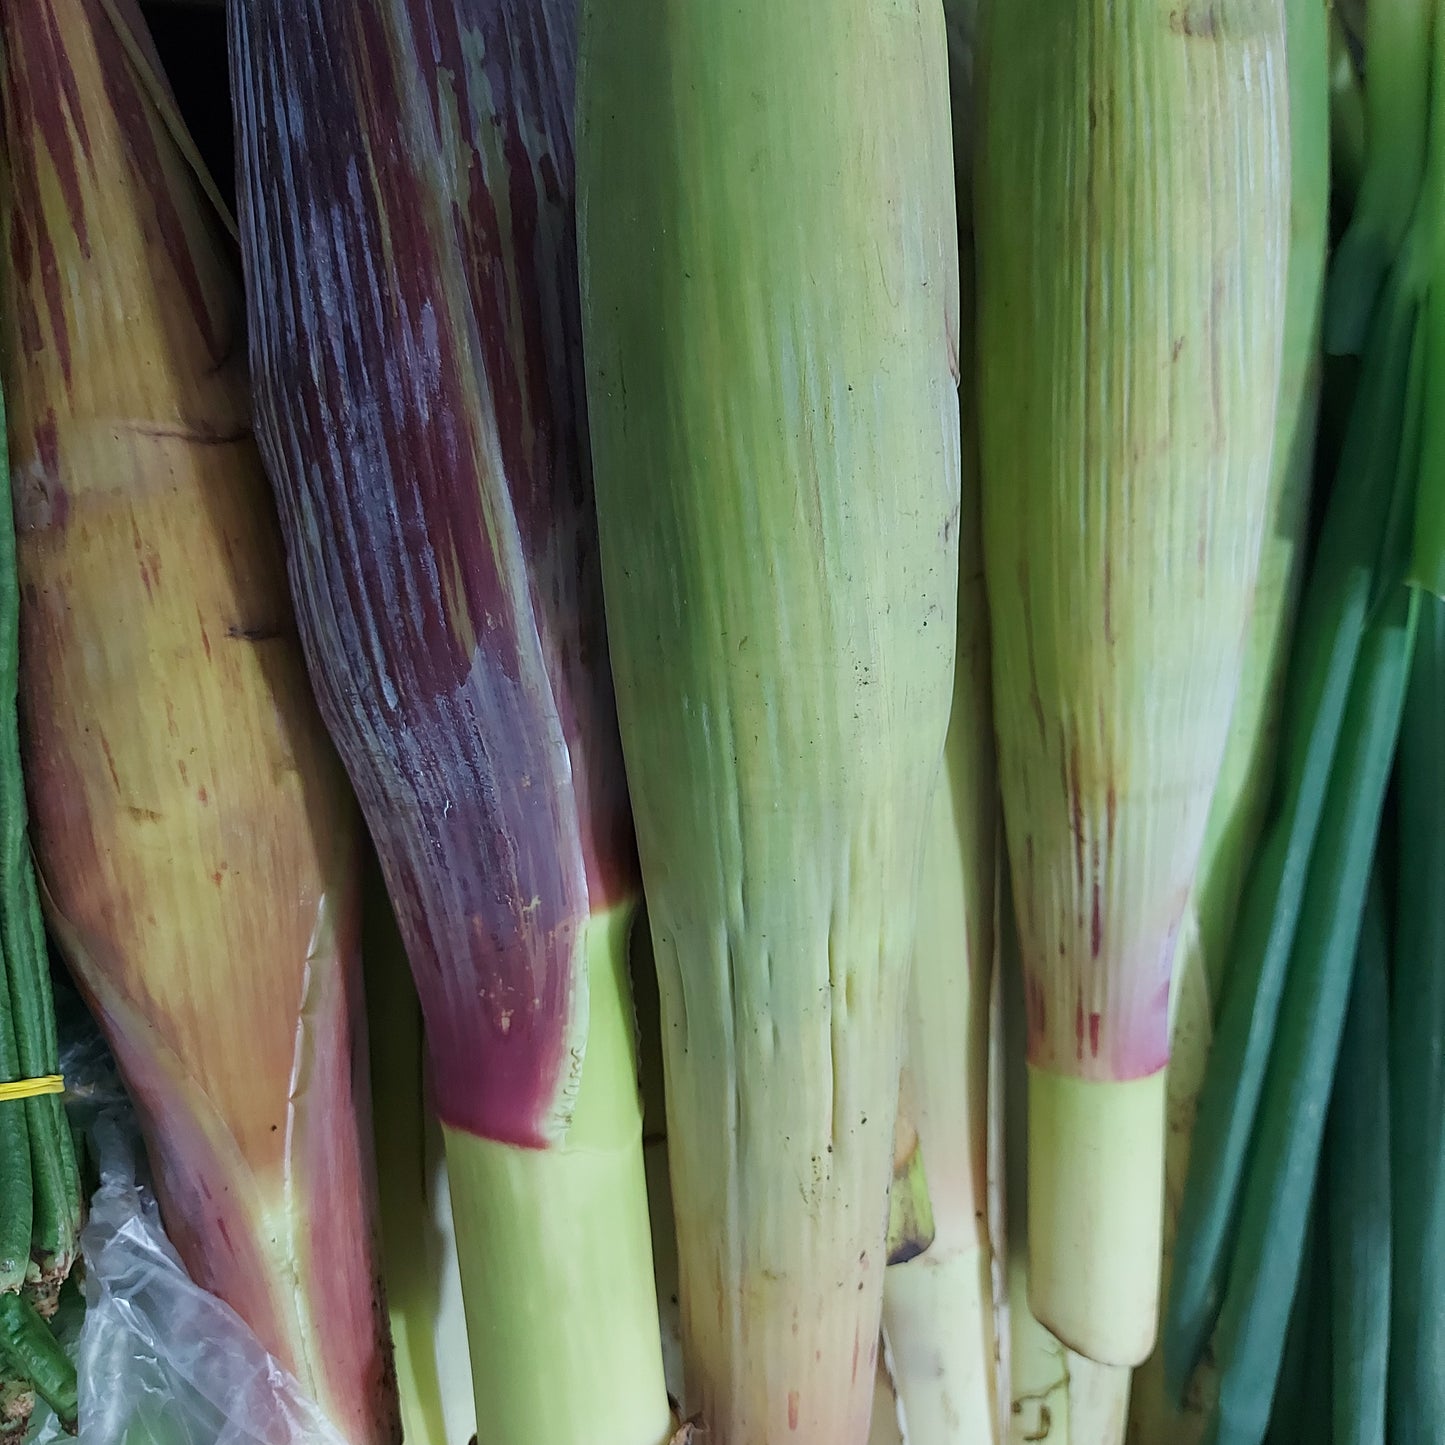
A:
{"points": [[1096, 1173]]}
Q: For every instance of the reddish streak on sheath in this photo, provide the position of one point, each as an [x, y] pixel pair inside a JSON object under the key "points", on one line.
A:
{"points": [[792, 1409], [1079, 1026], [41, 102], [1076, 808], [1096, 925], [1094, 1023], [138, 123]]}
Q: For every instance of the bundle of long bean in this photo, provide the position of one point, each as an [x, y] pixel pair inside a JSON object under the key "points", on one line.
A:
{"points": [[39, 1182]]}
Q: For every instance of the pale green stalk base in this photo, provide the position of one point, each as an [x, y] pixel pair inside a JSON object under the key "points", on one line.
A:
{"points": [[556, 1254], [664, 1264], [1155, 1418], [424, 1304], [1059, 1397], [886, 1428], [1096, 1166], [938, 1326], [1039, 1368], [1098, 1402], [423, 1291]]}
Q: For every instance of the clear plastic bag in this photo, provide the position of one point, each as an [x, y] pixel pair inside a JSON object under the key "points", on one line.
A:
{"points": [[161, 1361]]}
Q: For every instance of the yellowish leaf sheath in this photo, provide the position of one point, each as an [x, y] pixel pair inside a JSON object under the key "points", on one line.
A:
{"points": [[197, 843]]}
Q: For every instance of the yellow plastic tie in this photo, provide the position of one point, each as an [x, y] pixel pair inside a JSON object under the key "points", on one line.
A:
{"points": [[32, 1088]]}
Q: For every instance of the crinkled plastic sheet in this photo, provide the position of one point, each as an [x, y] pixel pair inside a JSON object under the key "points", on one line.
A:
{"points": [[161, 1361]]}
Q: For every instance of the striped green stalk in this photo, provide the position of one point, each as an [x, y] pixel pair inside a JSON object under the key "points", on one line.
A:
{"points": [[1133, 201], [412, 162], [770, 296], [1245, 780], [939, 1308]]}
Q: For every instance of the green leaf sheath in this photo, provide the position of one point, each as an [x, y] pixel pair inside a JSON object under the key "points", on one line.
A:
{"points": [[26, 1342], [1417, 1054], [1333, 617], [1294, 1381], [1396, 112], [1312, 1423], [55, 1178], [1357, 1176], [1284, 1154]]}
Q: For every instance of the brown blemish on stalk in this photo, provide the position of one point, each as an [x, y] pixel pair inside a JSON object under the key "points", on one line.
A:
{"points": [[1216, 304], [110, 761], [1034, 999], [1079, 1026], [254, 634], [1199, 21], [1095, 1023], [1096, 921], [793, 1403]]}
